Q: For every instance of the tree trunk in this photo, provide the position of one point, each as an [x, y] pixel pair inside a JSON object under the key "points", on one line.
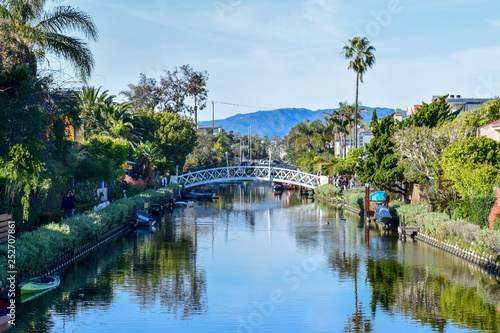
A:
{"points": [[356, 114], [195, 112]]}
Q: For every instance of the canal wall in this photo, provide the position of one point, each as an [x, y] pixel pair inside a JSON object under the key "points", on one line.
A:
{"points": [[64, 260], [481, 260], [486, 263]]}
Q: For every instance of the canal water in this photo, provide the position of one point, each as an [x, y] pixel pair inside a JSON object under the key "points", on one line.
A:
{"points": [[254, 261]]}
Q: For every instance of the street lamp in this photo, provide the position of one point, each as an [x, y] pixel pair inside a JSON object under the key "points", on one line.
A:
{"points": [[227, 162]]}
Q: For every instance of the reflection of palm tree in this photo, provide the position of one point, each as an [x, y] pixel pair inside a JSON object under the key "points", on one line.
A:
{"points": [[357, 322], [347, 265]]}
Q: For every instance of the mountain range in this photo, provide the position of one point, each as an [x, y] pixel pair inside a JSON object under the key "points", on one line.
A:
{"points": [[280, 121]]}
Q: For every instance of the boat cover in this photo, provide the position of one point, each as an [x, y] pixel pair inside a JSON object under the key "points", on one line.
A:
{"points": [[378, 196]]}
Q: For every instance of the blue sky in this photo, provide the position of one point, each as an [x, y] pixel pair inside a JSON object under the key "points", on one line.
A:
{"points": [[274, 54]]}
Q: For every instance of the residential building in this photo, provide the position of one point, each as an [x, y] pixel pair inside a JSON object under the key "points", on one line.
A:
{"points": [[399, 114], [411, 110], [491, 130], [365, 135], [211, 129]]}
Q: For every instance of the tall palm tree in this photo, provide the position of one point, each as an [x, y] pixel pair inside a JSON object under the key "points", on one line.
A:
{"points": [[31, 32], [360, 53]]}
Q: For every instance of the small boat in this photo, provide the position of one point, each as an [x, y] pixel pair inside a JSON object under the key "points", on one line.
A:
{"points": [[289, 187], [186, 204], [382, 214], [39, 284], [144, 221], [278, 187]]}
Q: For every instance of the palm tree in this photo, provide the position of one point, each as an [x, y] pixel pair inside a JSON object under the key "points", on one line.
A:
{"points": [[360, 53], [91, 102], [31, 32], [118, 119], [338, 122], [146, 153]]}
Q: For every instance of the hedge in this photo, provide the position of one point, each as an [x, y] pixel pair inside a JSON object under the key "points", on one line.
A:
{"points": [[36, 249]]}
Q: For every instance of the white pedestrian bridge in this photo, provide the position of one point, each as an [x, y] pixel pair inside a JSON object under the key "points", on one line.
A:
{"points": [[240, 173]]}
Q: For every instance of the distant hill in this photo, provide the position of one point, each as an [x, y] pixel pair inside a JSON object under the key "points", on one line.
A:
{"points": [[280, 121]]}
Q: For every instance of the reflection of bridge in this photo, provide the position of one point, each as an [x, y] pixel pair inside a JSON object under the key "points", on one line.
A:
{"points": [[239, 173]]}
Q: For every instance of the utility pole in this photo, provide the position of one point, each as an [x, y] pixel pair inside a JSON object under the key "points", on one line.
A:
{"points": [[213, 121], [250, 143]]}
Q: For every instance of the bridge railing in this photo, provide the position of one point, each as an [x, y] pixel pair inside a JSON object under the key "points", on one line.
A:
{"points": [[237, 173]]}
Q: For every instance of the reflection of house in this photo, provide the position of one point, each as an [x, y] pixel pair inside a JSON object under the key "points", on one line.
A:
{"points": [[491, 130]]}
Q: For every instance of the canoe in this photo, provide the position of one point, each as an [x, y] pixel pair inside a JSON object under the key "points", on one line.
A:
{"points": [[38, 284], [378, 196], [382, 214]]}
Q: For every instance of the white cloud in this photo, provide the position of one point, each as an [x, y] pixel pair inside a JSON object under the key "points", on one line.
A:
{"points": [[495, 23]]}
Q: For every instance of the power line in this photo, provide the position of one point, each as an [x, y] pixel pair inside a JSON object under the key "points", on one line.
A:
{"points": [[245, 106]]}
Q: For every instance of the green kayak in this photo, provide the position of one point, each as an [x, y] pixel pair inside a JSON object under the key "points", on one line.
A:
{"points": [[38, 284]]}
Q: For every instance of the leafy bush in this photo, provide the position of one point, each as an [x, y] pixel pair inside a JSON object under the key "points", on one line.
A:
{"points": [[489, 239], [328, 191], [115, 192], [480, 208], [355, 197], [445, 198], [37, 248], [410, 212], [433, 223]]}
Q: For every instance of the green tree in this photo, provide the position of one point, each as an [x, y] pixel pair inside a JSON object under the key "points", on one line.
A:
{"points": [[174, 135], [101, 158], [31, 32], [381, 165], [480, 116], [23, 171], [359, 52], [472, 165], [171, 92], [305, 141], [432, 115], [91, 102]]}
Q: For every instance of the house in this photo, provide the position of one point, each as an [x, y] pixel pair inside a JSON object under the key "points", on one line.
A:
{"points": [[365, 135], [399, 115], [411, 110], [211, 129], [491, 130], [457, 102]]}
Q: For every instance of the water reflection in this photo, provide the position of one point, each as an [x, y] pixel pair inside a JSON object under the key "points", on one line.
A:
{"points": [[215, 267]]}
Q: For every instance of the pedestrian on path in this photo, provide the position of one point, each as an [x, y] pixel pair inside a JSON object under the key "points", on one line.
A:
{"points": [[68, 204]]}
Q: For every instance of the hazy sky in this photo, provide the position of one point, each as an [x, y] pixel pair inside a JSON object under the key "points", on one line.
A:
{"points": [[274, 54]]}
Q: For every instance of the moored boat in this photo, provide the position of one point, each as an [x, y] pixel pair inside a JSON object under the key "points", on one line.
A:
{"points": [[38, 284], [145, 221], [382, 214]]}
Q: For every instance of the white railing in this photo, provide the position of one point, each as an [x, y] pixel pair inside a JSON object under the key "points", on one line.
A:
{"points": [[239, 173]]}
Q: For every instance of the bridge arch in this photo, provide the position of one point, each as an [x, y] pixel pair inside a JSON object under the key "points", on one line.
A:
{"points": [[240, 173]]}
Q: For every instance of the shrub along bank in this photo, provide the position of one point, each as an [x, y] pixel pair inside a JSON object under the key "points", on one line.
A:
{"points": [[455, 231], [36, 249]]}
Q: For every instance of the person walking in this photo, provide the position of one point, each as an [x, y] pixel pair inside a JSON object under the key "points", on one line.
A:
{"points": [[68, 204]]}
